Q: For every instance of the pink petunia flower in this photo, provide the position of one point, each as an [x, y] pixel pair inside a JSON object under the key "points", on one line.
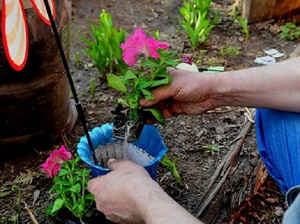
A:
{"points": [[140, 43], [54, 161]]}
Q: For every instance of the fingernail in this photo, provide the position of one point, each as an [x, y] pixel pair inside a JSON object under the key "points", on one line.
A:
{"points": [[143, 102], [111, 160]]}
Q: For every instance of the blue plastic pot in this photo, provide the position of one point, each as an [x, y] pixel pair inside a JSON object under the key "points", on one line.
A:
{"points": [[150, 141]]}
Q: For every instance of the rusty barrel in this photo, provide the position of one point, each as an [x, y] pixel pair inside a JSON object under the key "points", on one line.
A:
{"points": [[35, 103]]}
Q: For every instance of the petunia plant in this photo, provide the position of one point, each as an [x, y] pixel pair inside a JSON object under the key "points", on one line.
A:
{"points": [[55, 160], [70, 184], [148, 60]]}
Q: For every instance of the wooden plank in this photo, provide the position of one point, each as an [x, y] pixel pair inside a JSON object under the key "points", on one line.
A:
{"points": [[258, 10], [235, 179]]}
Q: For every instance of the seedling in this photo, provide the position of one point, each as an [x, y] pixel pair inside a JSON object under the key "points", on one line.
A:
{"points": [[78, 62], [244, 24], [211, 148], [172, 166]]}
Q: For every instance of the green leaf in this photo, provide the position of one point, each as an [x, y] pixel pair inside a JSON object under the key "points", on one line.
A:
{"points": [[143, 82], [148, 95], [150, 64], [76, 188], [63, 182], [171, 62], [5, 190], [157, 114], [130, 75], [211, 147], [58, 204], [160, 82], [122, 101], [172, 166], [116, 83], [88, 197], [63, 172]]}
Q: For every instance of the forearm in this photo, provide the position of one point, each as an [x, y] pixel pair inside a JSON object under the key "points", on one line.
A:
{"points": [[157, 207], [274, 87]]}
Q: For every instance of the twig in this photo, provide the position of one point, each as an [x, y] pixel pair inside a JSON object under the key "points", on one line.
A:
{"points": [[65, 140], [30, 214], [220, 111]]}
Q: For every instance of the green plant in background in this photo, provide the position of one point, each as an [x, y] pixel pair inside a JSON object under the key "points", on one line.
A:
{"points": [[172, 166], [196, 20], [78, 62], [237, 19], [105, 49], [244, 24], [289, 31], [229, 50]]}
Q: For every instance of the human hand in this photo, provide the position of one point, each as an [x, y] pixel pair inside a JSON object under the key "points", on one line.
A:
{"points": [[189, 93], [117, 194]]}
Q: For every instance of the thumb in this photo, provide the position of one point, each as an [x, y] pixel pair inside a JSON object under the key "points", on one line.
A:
{"points": [[112, 164], [160, 93]]}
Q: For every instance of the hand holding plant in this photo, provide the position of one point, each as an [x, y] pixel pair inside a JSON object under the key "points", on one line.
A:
{"points": [[151, 71]]}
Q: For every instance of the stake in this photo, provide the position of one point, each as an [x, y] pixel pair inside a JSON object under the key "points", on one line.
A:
{"points": [[65, 63]]}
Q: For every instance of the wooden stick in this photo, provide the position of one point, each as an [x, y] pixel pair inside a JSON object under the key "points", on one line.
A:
{"points": [[31, 214]]}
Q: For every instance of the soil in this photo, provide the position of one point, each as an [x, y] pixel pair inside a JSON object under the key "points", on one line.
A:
{"points": [[184, 136]]}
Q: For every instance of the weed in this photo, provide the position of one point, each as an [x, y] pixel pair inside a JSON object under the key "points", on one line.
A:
{"points": [[229, 50], [289, 31], [78, 62], [244, 24]]}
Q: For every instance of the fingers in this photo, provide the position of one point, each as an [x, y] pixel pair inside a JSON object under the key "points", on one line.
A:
{"points": [[160, 93], [121, 165], [113, 218], [171, 70]]}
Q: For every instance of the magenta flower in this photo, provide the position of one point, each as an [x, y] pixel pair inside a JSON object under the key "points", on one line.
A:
{"points": [[140, 43], [54, 161]]}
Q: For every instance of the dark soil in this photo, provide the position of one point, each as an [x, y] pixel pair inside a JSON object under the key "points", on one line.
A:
{"points": [[183, 135]]}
